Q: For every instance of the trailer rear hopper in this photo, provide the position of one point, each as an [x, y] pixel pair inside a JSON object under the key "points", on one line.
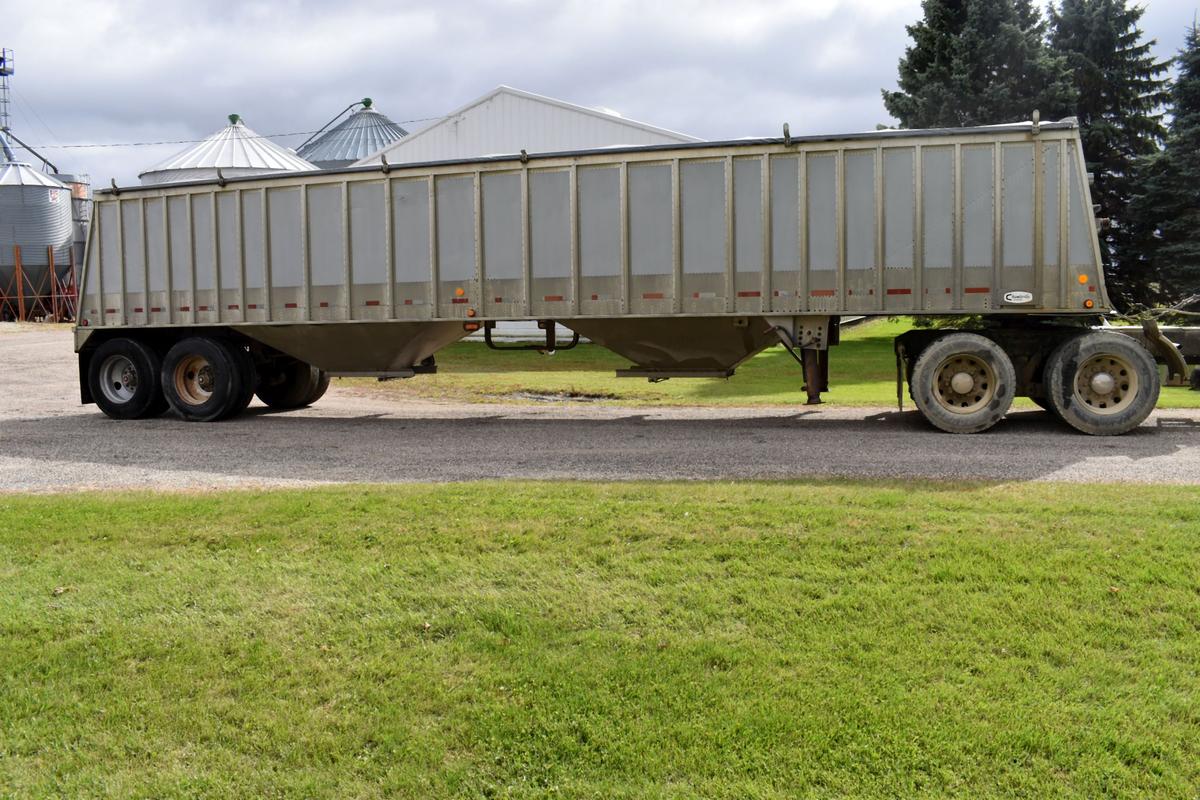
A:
{"points": [[685, 259]]}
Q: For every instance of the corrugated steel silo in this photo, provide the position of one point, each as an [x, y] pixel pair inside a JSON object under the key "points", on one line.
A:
{"points": [[235, 150], [364, 132], [35, 216]]}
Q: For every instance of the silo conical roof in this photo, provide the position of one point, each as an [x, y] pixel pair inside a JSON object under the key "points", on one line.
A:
{"points": [[235, 149], [364, 132], [16, 173]]}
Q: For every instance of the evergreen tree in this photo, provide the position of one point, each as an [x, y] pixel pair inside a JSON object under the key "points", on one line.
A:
{"points": [[1169, 208], [977, 62], [1119, 95]]}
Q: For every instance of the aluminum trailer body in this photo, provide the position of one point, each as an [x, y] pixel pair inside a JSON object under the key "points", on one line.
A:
{"points": [[686, 259]]}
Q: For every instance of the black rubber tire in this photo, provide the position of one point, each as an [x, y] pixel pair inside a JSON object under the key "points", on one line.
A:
{"points": [[147, 398], [291, 384], [1064, 363], [225, 379], [247, 379], [1195, 379], [320, 386], [925, 381]]}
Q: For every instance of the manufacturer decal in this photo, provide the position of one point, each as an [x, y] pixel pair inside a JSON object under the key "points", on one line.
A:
{"points": [[1018, 297]]}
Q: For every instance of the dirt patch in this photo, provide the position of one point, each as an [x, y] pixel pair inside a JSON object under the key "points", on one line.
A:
{"points": [[559, 397]]}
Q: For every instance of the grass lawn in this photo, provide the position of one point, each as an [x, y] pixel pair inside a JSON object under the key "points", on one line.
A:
{"points": [[535, 640], [862, 373]]}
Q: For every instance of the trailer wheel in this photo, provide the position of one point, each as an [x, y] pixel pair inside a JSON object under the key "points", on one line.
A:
{"points": [[292, 384], [1102, 383], [201, 379], [1195, 379], [123, 377], [963, 383]]}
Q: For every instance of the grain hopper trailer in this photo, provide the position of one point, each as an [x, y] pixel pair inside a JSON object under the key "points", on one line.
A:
{"points": [[684, 259]]}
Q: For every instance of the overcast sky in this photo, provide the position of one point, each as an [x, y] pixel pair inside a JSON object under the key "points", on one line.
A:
{"points": [[100, 71]]}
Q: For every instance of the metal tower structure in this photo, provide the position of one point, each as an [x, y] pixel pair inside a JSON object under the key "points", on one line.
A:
{"points": [[6, 71]]}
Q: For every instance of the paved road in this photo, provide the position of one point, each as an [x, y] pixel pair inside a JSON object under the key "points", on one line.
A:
{"points": [[48, 442]]}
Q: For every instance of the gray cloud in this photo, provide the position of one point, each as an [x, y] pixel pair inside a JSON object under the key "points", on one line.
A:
{"points": [[136, 70]]}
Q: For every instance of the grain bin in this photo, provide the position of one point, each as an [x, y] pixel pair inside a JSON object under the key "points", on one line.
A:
{"points": [[35, 221], [363, 133], [235, 150]]}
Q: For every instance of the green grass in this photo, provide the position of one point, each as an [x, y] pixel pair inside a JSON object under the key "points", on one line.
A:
{"points": [[533, 640], [862, 373]]}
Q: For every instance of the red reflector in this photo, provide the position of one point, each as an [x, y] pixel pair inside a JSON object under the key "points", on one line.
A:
{"points": [[748, 294], [155, 310], [977, 290], [110, 311], [252, 305], [652, 295], [323, 304], [372, 302], [290, 305], [470, 326], [185, 308], [595, 297], [947, 290], [233, 307], [553, 298], [821, 293], [458, 300], [497, 299], [1091, 288], [83, 323], [202, 308], [408, 302], [899, 291]]}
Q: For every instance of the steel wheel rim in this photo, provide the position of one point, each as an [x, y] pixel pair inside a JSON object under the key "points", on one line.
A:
{"points": [[949, 384], [118, 379], [1106, 384], [194, 379]]}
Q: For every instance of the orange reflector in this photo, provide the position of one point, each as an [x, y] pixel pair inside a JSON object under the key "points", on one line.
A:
{"points": [[459, 292], [470, 326], [1082, 279], [1088, 303], [470, 312]]}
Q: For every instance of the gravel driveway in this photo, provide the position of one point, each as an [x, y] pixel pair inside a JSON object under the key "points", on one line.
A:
{"points": [[49, 442]]}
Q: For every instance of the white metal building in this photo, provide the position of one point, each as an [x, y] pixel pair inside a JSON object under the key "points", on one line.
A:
{"points": [[508, 120]]}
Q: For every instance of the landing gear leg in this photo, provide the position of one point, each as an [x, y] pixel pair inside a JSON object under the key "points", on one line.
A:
{"points": [[816, 374]]}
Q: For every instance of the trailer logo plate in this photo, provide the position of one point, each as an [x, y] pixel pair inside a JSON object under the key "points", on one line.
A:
{"points": [[1018, 297]]}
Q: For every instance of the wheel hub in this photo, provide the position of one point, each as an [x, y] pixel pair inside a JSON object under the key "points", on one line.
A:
{"points": [[966, 383], [118, 379], [1103, 383], [1106, 383], [962, 382], [194, 380]]}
